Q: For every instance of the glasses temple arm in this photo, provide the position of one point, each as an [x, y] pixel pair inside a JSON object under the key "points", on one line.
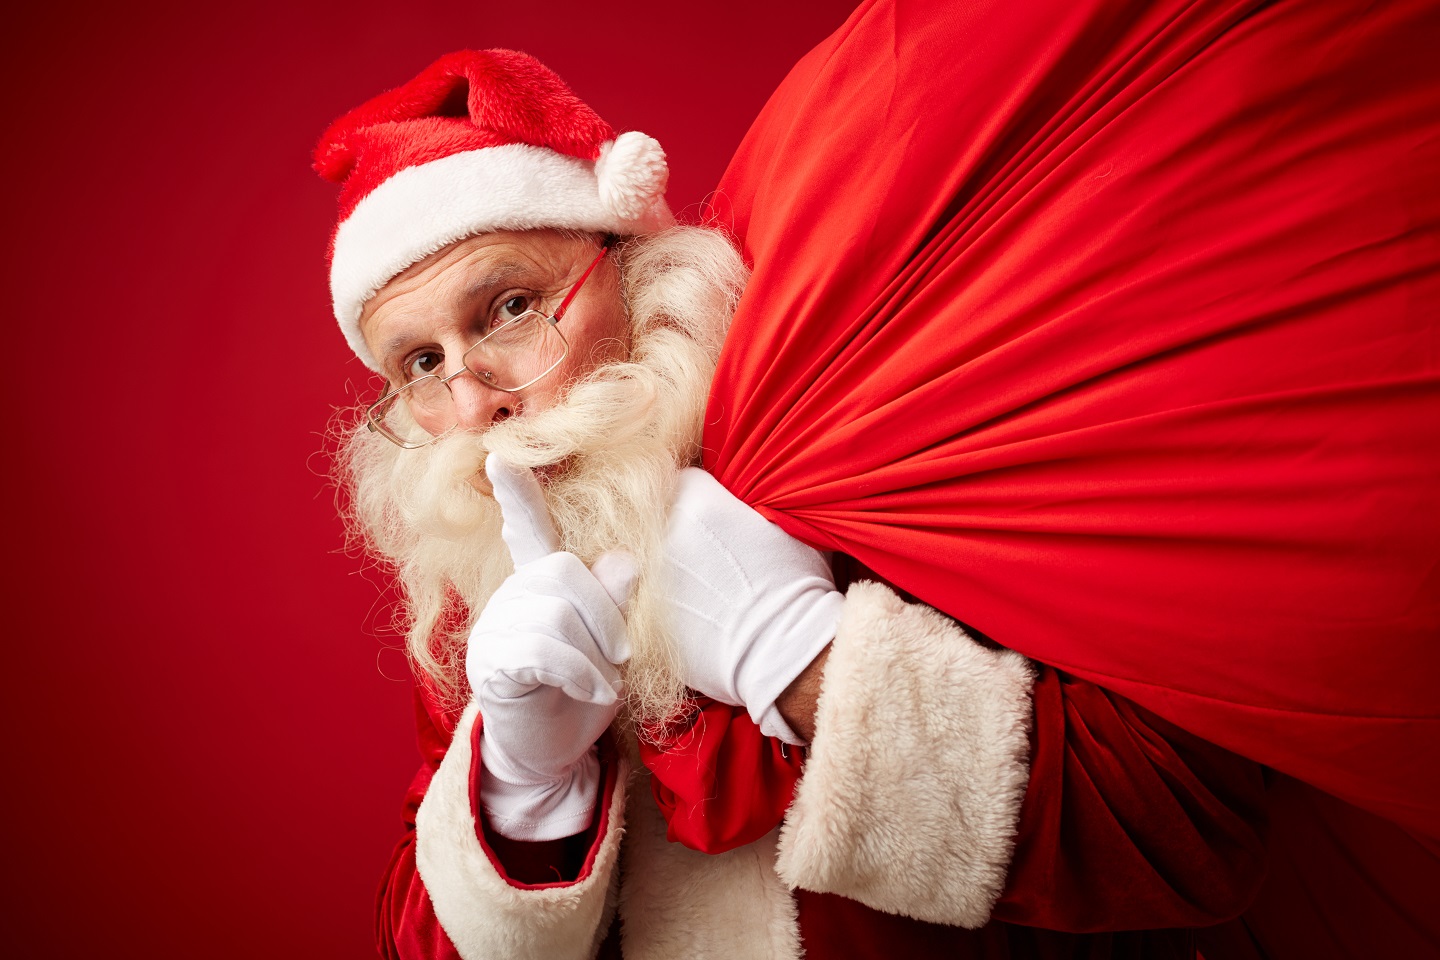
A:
{"points": [[565, 304]]}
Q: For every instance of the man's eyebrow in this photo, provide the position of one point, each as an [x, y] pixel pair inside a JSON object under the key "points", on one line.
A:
{"points": [[392, 347], [499, 276]]}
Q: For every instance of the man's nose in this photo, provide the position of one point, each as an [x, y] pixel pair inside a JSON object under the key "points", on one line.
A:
{"points": [[477, 406]]}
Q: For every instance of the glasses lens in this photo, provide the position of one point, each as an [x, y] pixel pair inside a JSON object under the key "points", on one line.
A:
{"points": [[519, 353], [399, 417]]}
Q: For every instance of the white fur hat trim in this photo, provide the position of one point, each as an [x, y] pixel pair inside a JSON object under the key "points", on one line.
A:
{"points": [[426, 208]]}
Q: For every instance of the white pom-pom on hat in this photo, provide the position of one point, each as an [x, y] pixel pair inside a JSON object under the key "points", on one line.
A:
{"points": [[631, 173]]}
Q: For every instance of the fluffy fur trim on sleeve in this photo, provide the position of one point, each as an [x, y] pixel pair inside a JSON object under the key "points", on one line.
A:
{"points": [[485, 917], [915, 778]]}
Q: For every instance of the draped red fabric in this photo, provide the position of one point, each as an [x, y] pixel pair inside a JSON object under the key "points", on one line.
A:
{"points": [[1110, 329], [719, 783]]}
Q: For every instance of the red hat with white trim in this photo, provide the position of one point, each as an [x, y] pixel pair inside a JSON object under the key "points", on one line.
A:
{"points": [[479, 141]]}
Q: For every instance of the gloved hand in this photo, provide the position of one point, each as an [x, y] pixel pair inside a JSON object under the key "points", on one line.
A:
{"points": [[540, 667], [750, 606]]}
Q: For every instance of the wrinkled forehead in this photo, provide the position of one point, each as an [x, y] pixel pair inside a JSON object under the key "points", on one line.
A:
{"points": [[532, 258]]}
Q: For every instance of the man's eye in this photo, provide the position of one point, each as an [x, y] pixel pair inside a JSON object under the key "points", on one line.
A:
{"points": [[424, 364], [512, 308]]}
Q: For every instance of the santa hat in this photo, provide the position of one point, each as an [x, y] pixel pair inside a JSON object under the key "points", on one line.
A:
{"points": [[479, 141]]}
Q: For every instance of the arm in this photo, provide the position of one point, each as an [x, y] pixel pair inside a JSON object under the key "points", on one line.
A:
{"points": [[476, 895], [955, 782], [801, 700], [944, 771], [530, 781]]}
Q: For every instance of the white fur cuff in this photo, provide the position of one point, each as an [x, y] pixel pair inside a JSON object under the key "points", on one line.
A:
{"points": [[914, 781], [485, 917]]}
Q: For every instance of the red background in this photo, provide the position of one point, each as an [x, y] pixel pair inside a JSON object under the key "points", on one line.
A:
{"points": [[206, 737]]}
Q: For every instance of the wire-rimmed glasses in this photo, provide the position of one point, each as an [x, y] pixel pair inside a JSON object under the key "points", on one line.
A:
{"points": [[510, 358]]}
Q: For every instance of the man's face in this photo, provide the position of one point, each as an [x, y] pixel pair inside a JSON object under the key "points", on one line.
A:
{"points": [[425, 319], [608, 432]]}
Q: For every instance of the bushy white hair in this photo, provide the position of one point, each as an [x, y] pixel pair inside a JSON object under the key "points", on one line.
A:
{"points": [[610, 449]]}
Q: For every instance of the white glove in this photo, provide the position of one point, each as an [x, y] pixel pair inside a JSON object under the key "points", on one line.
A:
{"points": [[750, 606], [539, 664]]}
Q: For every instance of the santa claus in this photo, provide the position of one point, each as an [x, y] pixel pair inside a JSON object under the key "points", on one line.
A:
{"points": [[654, 724]]}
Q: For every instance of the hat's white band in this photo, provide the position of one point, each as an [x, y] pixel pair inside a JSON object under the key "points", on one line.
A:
{"points": [[426, 208]]}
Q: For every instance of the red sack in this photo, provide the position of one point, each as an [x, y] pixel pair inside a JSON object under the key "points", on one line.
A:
{"points": [[1111, 330]]}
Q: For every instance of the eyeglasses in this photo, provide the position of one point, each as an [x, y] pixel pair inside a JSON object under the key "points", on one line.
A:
{"points": [[510, 358]]}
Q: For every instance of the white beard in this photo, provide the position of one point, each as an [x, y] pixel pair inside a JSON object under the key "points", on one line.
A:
{"points": [[611, 448]]}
